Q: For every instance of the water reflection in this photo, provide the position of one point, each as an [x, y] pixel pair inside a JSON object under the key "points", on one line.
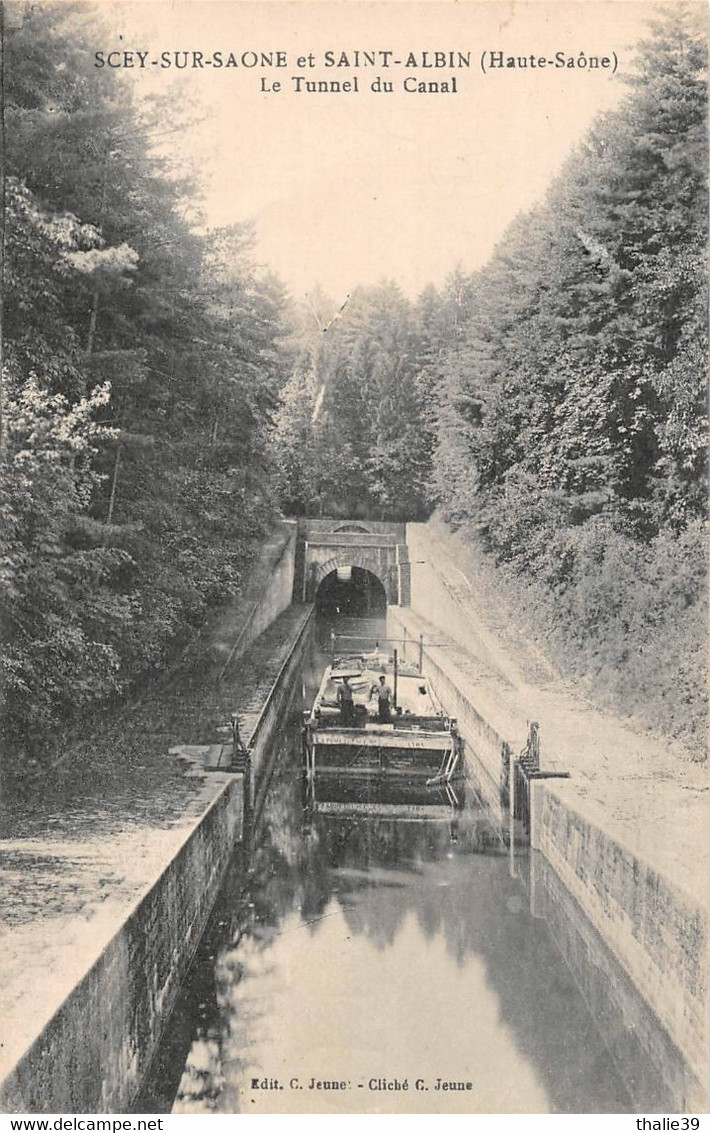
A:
{"points": [[367, 949]]}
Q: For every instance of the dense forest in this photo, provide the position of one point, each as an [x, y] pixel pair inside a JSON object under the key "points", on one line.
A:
{"points": [[164, 400], [570, 398], [142, 369], [353, 429], [552, 406]]}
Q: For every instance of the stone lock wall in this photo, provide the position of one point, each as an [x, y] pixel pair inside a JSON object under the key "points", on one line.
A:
{"points": [[93, 1054], [656, 932], [609, 910], [657, 1074], [275, 710]]}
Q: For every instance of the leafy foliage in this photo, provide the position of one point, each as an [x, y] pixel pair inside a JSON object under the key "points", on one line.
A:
{"points": [[571, 421], [355, 412], [143, 365], [161, 397]]}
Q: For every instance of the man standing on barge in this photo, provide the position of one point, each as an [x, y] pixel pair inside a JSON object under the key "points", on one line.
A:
{"points": [[384, 700], [345, 702]]}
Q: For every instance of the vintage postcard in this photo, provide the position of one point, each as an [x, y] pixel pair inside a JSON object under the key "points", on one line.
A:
{"points": [[353, 465]]}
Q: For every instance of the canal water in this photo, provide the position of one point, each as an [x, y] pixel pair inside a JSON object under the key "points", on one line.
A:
{"points": [[362, 964]]}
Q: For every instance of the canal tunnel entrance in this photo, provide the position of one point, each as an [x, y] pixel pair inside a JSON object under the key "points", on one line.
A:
{"points": [[350, 592]]}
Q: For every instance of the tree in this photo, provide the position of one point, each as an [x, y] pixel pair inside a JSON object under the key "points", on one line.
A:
{"points": [[571, 429], [143, 365], [356, 405]]}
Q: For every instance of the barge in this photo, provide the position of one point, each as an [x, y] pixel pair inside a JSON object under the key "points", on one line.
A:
{"points": [[388, 730]]}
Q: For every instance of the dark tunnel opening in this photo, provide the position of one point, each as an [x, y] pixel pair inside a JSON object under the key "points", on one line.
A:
{"points": [[351, 592]]}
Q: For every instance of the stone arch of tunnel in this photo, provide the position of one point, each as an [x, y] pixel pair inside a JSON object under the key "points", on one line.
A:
{"points": [[350, 591], [383, 553]]}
